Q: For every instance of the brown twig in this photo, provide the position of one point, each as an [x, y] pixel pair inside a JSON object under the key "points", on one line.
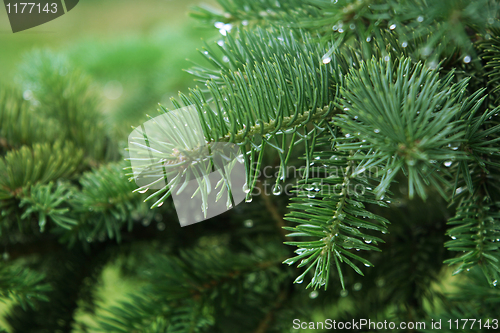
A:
{"points": [[266, 321], [273, 210]]}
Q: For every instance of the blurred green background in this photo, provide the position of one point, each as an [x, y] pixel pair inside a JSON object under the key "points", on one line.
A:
{"points": [[135, 52]]}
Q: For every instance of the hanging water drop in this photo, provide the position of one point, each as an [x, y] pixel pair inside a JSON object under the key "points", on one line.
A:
{"points": [[376, 131], [277, 189], [248, 223], [327, 60], [404, 44], [392, 27], [313, 294], [368, 39], [420, 18], [448, 164], [467, 59]]}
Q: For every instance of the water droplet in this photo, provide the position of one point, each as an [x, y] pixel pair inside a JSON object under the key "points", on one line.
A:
{"points": [[404, 44], [143, 191], [300, 279], [448, 164], [28, 95], [341, 30], [327, 60], [392, 27], [248, 200], [348, 135], [220, 43], [467, 59], [387, 58], [453, 237], [277, 189], [420, 18], [357, 286], [426, 51], [368, 39], [89, 240], [368, 241], [219, 25], [245, 188], [248, 223], [244, 22], [344, 293], [225, 59], [335, 27], [313, 294], [367, 265], [495, 283], [352, 26], [376, 130]]}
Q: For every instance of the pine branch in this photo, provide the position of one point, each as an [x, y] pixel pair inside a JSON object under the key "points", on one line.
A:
{"points": [[42, 201], [273, 86], [23, 285], [403, 117], [43, 163], [187, 289], [19, 124], [104, 205], [65, 96], [490, 48], [330, 213]]}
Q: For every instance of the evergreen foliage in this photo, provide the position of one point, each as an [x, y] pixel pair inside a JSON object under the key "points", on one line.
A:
{"points": [[389, 110]]}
